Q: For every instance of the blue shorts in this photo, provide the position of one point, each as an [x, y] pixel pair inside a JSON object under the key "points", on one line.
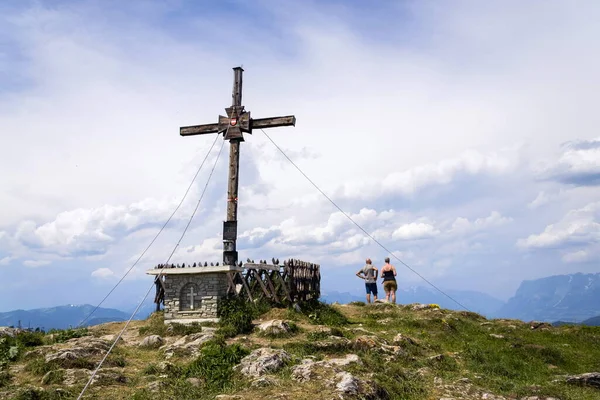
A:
{"points": [[371, 288]]}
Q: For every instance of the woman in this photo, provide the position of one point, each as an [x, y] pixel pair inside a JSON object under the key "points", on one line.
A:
{"points": [[388, 274]]}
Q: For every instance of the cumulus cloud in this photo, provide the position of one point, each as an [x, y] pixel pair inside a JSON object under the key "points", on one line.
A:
{"points": [[35, 263], [90, 232], [102, 273], [579, 164], [415, 231], [463, 225], [580, 227], [6, 260], [469, 164]]}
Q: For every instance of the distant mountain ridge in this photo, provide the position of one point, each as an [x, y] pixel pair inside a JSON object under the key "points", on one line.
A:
{"points": [[564, 298], [61, 317], [475, 301]]}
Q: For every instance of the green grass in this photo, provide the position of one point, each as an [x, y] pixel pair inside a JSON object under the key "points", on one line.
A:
{"points": [[60, 336], [323, 314]]}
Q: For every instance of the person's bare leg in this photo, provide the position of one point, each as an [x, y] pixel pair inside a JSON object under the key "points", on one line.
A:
{"points": [[368, 298], [394, 297], [387, 296]]}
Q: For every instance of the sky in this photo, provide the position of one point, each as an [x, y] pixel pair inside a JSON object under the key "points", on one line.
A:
{"points": [[462, 135]]}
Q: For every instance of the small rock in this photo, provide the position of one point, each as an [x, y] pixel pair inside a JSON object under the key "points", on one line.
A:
{"points": [[591, 379], [366, 342], [496, 336], [152, 342], [263, 381], [228, 397], [349, 359], [303, 371], [437, 357], [347, 383], [155, 386], [194, 382], [108, 376], [400, 339], [274, 327]]}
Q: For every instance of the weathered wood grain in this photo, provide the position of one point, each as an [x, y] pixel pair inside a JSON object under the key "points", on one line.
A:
{"points": [[273, 122], [198, 129]]}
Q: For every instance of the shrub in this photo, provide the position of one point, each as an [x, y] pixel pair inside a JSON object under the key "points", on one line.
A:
{"points": [[215, 364], [30, 339], [323, 314], [60, 335], [4, 378], [236, 315], [357, 303]]}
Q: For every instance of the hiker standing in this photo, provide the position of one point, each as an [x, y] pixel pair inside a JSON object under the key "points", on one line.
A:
{"points": [[388, 274], [369, 274]]}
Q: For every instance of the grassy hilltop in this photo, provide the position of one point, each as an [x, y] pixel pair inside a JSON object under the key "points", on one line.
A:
{"points": [[379, 351]]}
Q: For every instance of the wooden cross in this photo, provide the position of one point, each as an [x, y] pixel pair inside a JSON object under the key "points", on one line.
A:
{"points": [[232, 126]]}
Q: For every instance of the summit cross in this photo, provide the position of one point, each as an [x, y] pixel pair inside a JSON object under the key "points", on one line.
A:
{"points": [[232, 126]]}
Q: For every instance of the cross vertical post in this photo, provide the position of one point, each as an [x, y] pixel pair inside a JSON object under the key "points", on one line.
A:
{"points": [[237, 121], [230, 254]]}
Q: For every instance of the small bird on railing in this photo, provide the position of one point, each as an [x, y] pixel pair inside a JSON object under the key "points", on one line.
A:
{"points": [[273, 260], [247, 260], [205, 263], [277, 261], [212, 264], [194, 266], [240, 264], [217, 264], [252, 261], [183, 265]]}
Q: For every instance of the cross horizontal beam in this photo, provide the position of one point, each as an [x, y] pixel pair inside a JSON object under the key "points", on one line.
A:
{"points": [[261, 123]]}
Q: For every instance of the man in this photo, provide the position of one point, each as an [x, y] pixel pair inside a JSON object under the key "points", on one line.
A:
{"points": [[369, 274]]}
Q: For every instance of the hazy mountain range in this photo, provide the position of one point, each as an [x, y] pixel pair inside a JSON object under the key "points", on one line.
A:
{"points": [[69, 316], [569, 298], [565, 298], [559, 299]]}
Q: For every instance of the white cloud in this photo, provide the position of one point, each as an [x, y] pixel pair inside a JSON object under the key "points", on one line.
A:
{"points": [[541, 199], [407, 183], [35, 263], [462, 225], [577, 227], [102, 273], [579, 164], [415, 231], [6, 260]]}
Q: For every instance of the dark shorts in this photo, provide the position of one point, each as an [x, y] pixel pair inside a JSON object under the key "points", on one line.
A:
{"points": [[371, 288]]}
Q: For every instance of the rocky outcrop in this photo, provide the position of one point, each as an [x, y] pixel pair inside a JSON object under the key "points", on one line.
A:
{"points": [[262, 361], [188, 345], [152, 342], [78, 352]]}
